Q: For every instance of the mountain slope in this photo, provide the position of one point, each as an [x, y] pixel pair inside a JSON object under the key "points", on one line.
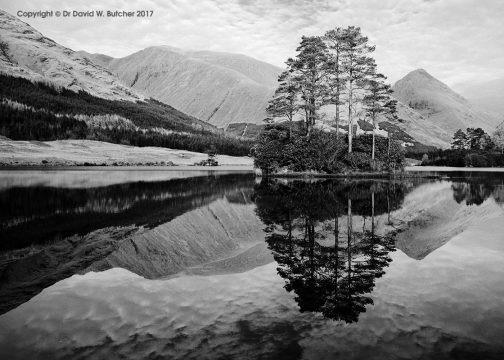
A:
{"points": [[49, 92], [26, 53], [220, 88], [488, 95], [439, 105], [231, 90]]}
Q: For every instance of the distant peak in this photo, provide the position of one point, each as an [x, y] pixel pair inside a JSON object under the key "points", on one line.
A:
{"points": [[418, 75], [421, 72]]}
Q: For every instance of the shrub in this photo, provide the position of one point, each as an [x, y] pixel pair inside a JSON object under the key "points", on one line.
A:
{"points": [[358, 161], [476, 160], [320, 152]]}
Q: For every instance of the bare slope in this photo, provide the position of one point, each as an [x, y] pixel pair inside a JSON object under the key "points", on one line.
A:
{"points": [[29, 54], [488, 95], [220, 88], [439, 105]]}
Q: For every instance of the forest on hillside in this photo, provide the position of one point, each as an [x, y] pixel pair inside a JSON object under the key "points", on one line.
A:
{"points": [[43, 112]]}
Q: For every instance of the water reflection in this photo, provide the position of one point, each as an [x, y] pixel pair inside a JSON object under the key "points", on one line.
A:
{"points": [[35, 215], [182, 269], [475, 192], [328, 261], [48, 233]]}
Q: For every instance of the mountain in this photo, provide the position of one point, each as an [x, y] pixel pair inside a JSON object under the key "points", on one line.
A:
{"points": [[49, 92], [219, 88], [488, 95], [231, 91], [25, 52], [215, 89], [439, 105]]}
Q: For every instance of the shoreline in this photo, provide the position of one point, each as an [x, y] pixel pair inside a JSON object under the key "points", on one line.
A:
{"points": [[355, 175], [233, 167], [79, 154]]}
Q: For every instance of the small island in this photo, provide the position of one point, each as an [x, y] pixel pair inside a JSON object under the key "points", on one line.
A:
{"points": [[333, 71]]}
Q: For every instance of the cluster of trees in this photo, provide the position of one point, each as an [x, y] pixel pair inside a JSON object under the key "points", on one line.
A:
{"points": [[48, 113], [336, 278], [472, 139], [331, 70], [283, 146], [471, 148]]}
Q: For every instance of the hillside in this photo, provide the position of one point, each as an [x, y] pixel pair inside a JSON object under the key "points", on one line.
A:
{"points": [[27, 53], [219, 88], [35, 111], [49, 92], [488, 95], [439, 105]]}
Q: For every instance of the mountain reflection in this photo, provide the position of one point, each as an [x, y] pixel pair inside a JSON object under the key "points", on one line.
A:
{"points": [[324, 239], [35, 215], [48, 234]]}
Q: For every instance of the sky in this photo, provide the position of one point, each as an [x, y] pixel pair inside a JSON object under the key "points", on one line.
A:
{"points": [[457, 41]]}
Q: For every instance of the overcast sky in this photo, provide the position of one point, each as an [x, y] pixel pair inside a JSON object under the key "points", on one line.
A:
{"points": [[454, 40]]}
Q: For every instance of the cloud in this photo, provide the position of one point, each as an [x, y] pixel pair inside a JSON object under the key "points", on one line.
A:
{"points": [[455, 40]]}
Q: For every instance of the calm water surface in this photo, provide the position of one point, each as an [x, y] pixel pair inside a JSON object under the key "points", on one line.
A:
{"points": [[199, 265]]}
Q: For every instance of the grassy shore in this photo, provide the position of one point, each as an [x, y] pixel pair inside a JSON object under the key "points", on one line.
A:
{"points": [[79, 153]]}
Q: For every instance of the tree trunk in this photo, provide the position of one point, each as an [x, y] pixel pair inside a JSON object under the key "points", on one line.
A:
{"points": [[350, 119], [336, 118], [337, 96], [388, 147], [373, 151]]}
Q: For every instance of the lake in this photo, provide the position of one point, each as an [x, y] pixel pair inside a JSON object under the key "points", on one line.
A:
{"points": [[98, 264]]}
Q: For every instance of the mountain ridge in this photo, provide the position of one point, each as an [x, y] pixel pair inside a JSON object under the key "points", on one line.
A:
{"points": [[29, 54], [220, 88], [439, 104]]}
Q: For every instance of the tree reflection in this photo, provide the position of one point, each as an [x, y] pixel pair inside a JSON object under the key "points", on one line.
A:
{"points": [[326, 258], [475, 190]]}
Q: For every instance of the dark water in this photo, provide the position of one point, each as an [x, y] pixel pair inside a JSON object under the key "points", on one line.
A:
{"points": [[222, 266]]}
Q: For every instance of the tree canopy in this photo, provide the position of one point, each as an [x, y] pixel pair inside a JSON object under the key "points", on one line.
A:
{"points": [[335, 69]]}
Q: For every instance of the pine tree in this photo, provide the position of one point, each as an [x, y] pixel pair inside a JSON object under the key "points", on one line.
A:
{"points": [[284, 103], [376, 102], [498, 137], [357, 66], [475, 138], [335, 40], [459, 140], [309, 74]]}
